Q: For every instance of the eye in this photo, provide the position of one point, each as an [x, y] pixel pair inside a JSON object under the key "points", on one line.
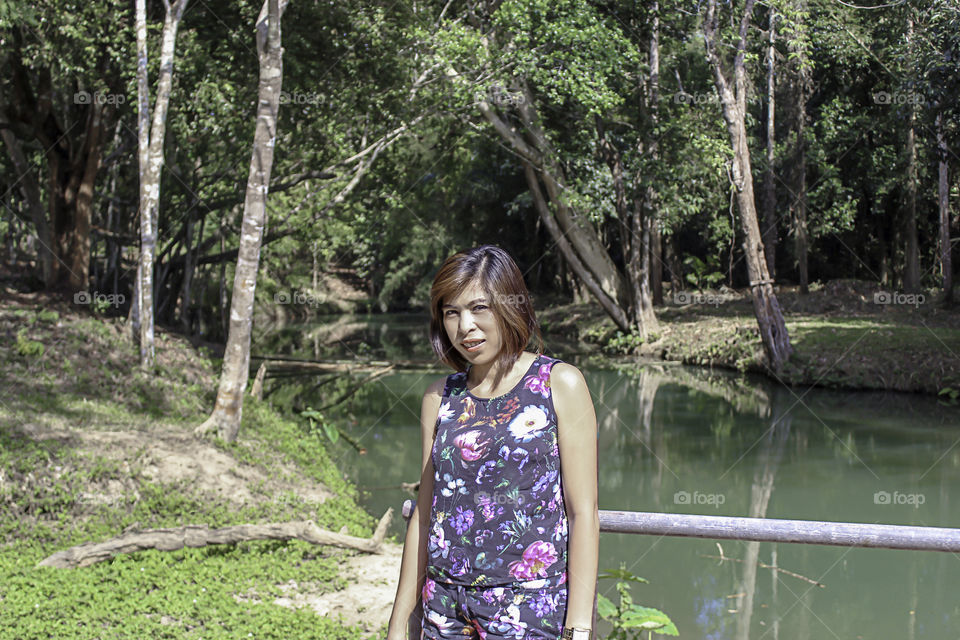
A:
{"points": [[449, 312], [481, 307]]}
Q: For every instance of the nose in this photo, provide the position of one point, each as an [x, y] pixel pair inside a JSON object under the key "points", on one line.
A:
{"points": [[466, 322]]}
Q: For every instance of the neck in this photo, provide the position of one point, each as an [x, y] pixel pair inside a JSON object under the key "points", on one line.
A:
{"points": [[492, 371]]}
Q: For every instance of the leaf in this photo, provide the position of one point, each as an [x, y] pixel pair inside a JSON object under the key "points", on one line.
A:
{"points": [[605, 608], [649, 619], [331, 431], [622, 574]]}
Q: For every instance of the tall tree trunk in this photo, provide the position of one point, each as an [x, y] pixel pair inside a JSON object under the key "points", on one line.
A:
{"points": [[635, 236], [911, 267], [639, 266], [150, 155], [655, 277], [800, 206], [228, 411], [187, 283], [31, 195], [674, 267], [79, 232], [773, 331], [943, 200], [800, 223], [112, 239], [769, 185]]}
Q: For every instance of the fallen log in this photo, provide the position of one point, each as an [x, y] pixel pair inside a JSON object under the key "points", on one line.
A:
{"points": [[200, 535]]}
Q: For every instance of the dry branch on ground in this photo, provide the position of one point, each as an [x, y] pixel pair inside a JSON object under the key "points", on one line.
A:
{"points": [[201, 535]]}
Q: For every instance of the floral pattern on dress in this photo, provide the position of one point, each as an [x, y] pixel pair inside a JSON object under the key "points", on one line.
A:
{"points": [[498, 516]]}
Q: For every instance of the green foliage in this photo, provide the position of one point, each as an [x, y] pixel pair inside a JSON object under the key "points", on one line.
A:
{"points": [[626, 343], [54, 496], [28, 348], [703, 273], [320, 425], [949, 396], [629, 619]]}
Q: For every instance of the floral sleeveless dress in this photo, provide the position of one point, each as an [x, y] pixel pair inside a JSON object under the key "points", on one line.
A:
{"points": [[498, 516]]}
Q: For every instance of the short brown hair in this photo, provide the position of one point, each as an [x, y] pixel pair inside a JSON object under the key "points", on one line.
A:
{"points": [[497, 274]]}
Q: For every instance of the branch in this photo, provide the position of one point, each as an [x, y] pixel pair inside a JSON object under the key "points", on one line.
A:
{"points": [[194, 535]]}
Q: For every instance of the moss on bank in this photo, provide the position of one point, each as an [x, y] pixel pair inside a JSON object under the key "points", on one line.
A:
{"points": [[79, 429]]}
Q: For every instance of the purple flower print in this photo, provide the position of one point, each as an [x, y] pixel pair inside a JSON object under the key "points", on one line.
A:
{"points": [[492, 595], [560, 530], [485, 470], [481, 537], [536, 558], [437, 542], [543, 604], [462, 520], [540, 383], [488, 508], [490, 511], [471, 446], [520, 455], [461, 562], [542, 481], [429, 588]]}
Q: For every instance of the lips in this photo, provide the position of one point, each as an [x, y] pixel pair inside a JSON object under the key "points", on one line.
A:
{"points": [[472, 345]]}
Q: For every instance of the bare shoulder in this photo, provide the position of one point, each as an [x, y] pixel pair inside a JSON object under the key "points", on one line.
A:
{"points": [[566, 378], [432, 397], [435, 390]]}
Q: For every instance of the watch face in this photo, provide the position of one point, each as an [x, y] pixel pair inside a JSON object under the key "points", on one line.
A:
{"points": [[581, 634]]}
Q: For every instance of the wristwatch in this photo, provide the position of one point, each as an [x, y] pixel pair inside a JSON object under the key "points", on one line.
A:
{"points": [[572, 633]]}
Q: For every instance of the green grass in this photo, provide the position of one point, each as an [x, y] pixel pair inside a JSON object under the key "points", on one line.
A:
{"points": [[86, 379]]}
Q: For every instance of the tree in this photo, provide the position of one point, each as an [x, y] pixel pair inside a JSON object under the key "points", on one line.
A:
{"points": [[533, 58], [61, 93], [911, 267], [733, 98], [150, 157], [228, 409], [801, 89], [769, 187]]}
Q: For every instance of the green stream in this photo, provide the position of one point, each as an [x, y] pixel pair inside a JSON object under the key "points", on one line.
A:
{"points": [[685, 440]]}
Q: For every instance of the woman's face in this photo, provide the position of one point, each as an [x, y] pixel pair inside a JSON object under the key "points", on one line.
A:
{"points": [[471, 325]]}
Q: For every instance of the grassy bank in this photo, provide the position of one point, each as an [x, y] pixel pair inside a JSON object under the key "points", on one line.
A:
{"points": [[842, 338], [91, 447]]}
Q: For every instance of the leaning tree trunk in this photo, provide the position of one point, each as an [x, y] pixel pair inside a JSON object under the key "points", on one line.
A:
{"points": [[228, 410], [773, 330], [151, 159], [943, 199]]}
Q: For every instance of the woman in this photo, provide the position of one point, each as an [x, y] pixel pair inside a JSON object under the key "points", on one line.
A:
{"points": [[503, 540]]}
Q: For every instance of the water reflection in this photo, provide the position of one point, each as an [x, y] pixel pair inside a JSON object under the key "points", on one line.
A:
{"points": [[771, 450], [675, 439]]}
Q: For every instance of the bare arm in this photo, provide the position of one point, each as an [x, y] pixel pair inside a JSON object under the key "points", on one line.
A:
{"points": [[413, 566], [577, 434]]}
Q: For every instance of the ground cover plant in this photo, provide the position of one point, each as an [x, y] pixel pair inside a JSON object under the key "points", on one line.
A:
{"points": [[80, 460]]}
